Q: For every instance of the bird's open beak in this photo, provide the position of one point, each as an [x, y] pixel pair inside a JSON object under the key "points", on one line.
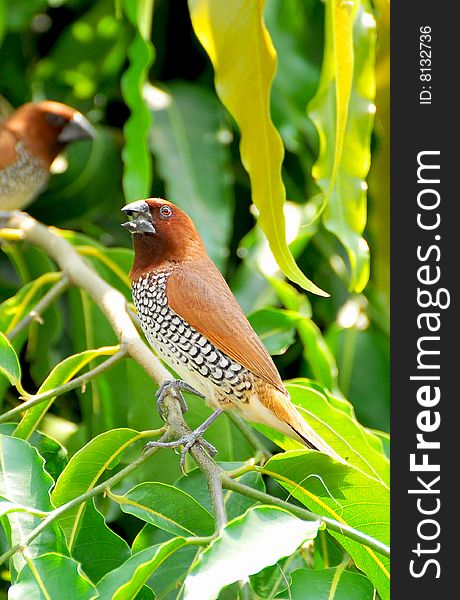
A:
{"points": [[141, 221], [79, 128]]}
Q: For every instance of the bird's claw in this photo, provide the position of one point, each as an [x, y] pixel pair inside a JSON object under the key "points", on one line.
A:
{"points": [[6, 215], [178, 386], [187, 441]]}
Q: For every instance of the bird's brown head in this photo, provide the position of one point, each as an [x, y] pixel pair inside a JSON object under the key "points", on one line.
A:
{"points": [[163, 234], [47, 127]]}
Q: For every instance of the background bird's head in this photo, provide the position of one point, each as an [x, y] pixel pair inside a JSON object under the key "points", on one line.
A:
{"points": [[47, 127], [162, 233]]}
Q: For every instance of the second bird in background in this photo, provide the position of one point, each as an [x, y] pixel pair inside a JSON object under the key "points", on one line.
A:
{"points": [[30, 139]]}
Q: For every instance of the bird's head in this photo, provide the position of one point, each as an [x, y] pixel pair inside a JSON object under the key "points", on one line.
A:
{"points": [[162, 233], [47, 127]]}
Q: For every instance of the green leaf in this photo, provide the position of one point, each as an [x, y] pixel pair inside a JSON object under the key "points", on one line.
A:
{"points": [[3, 8], [343, 493], [328, 584], [137, 175], [62, 373], [9, 363], [237, 504], [245, 547], [195, 485], [334, 420], [317, 354], [170, 575], [24, 482], [275, 328], [97, 548], [244, 88], [363, 358], [50, 576], [168, 508], [7, 507], [126, 581], [190, 141], [294, 28], [54, 455], [343, 113], [97, 38], [13, 310], [84, 470]]}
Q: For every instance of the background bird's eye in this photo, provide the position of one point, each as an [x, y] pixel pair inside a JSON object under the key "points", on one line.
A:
{"points": [[55, 120], [166, 211]]}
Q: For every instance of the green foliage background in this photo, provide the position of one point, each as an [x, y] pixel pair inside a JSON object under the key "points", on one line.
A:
{"points": [[167, 128]]}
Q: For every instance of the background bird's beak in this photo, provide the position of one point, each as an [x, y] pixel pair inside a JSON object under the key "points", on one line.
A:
{"points": [[79, 128], [141, 221]]}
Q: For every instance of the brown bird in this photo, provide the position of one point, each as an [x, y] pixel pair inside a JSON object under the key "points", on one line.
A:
{"points": [[194, 323], [30, 139]]}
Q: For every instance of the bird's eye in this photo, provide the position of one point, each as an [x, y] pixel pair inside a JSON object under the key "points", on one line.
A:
{"points": [[166, 211], [55, 120]]}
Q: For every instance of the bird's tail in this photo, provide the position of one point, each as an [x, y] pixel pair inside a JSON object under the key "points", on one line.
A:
{"points": [[297, 427]]}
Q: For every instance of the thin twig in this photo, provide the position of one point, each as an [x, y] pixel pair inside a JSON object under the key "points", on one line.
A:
{"points": [[41, 306], [66, 387]]}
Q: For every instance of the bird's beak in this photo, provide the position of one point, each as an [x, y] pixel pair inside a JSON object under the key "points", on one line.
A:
{"points": [[78, 128], [141, 221]]}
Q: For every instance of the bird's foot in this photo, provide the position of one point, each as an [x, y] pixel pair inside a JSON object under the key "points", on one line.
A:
{"points": [[177, 385], [6, 215], [189, 439]]}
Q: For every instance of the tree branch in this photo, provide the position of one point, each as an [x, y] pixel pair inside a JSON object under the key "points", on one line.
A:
{"points": [[111, 302]]}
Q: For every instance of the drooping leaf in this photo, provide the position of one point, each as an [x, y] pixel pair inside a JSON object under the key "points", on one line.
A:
{"points": [[189, 138], [345, 494], [52, 576], [343, 113], [244, 87], [229, 559], [24, 482]]}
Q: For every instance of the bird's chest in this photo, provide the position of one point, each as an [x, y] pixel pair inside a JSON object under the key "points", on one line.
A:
{"points": [[194, 358], [21, 181]]}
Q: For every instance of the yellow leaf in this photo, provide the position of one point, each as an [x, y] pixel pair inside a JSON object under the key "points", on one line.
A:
{"points": [[234, 35]]}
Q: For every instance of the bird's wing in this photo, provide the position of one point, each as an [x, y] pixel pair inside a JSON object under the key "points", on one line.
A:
{"points": [[199, 294], [7, 148]]}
